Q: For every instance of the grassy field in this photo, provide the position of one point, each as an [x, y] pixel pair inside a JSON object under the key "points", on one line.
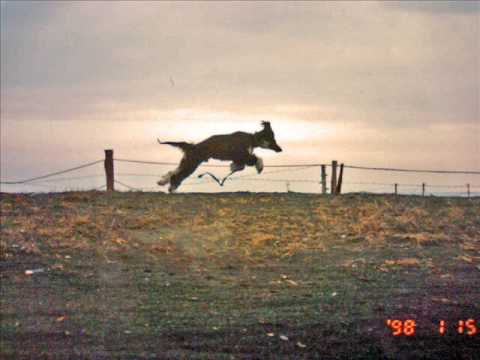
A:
{"points": [[237, 276]]}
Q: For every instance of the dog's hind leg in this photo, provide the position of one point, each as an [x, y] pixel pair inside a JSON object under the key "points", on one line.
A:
{"points": [[185, 169], [165, 178]]}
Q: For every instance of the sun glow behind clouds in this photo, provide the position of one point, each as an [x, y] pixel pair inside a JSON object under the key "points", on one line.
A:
{"points": [[196, 125]]}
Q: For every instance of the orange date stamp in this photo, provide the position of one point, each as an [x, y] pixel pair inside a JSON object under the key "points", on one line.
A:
{"points": [[467, 327]]}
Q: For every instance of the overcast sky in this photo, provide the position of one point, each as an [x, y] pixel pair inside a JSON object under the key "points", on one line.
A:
{"points": [[368, 83]]}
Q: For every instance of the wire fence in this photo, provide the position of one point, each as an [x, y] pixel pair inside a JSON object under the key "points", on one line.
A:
{"points": [[465, 172], [296, 177]]}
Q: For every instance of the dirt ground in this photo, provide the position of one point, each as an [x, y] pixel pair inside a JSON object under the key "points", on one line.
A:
{"points": [[238, 276]]}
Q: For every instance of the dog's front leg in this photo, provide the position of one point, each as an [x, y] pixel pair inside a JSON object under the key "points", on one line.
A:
{"points": [[256, 161], [259, 165], [234, 167]]}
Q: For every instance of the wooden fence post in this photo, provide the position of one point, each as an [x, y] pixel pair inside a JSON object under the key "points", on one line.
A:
{"points": [[338, 190], [324, 180], [468, 190], [333, 183], [109, 169], [396, 189], [423, 189]]}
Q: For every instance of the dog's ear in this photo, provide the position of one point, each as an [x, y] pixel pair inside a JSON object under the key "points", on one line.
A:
{"points": [[266, 125]]}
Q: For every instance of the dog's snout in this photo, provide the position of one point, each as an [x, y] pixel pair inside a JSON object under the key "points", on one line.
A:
{"points": [[277, 148]]}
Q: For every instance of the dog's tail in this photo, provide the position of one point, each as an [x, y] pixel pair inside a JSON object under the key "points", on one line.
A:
{"points": [[184, 146]]}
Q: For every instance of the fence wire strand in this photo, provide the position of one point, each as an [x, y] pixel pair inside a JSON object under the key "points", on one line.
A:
{"points": [[51, 174], [127, 186], [249, 177], [413, 170], [212, 165], [68, 178]]}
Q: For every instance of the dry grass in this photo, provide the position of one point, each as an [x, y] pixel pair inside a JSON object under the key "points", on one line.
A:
{"points": [[265, 225], [210, 275]]}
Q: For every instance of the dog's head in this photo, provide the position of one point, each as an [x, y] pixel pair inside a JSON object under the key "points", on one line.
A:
{"points": [[266, 138]]}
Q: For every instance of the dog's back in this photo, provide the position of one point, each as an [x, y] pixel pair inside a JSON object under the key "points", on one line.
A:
{"points": [[225, 147]]}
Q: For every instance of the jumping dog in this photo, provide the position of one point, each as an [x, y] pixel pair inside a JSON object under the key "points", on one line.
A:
{"points": [[236, 147]]}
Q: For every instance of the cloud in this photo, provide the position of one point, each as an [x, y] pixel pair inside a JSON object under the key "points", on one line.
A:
{"points": [[339, 62]]}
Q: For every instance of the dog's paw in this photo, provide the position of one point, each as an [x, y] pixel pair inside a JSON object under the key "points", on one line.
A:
{"points": [[259, 165], [165, 179], [236, 167]]}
